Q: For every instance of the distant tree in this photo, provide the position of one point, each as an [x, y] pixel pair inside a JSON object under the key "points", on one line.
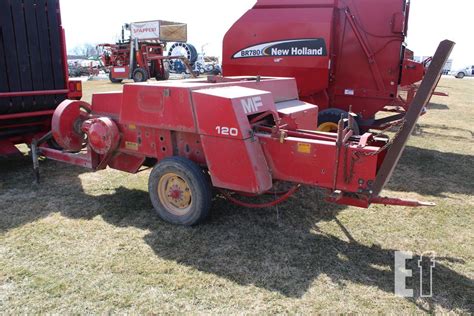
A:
{"points": [[86, 50]]}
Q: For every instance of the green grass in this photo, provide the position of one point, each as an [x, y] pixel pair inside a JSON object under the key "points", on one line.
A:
{"points": [[86, 242]]}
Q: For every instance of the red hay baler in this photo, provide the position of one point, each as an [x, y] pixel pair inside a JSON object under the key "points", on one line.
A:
{"points": [[343, 53], [238, 134]]}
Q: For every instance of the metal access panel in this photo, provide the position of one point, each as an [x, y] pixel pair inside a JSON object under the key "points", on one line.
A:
{"points": [[32, 56]]}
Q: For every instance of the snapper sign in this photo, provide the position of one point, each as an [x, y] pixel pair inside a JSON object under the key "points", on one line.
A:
{"points": [[145, 30]]}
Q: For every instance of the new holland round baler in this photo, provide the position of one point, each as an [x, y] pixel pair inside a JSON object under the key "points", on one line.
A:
{"points": [[343, 53]]}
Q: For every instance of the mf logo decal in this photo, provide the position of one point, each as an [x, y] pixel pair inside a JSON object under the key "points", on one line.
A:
{"points": [[292, 48], [252, 105]]}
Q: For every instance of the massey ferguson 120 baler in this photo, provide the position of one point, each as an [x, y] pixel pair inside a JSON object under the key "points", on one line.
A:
{"points": [[343, 53], [33, 70], [238, 134]]}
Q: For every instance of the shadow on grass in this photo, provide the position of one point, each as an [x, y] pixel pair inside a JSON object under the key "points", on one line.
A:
{"points": [[281, 252], [431, 172], [462, 133], [437, 106]]}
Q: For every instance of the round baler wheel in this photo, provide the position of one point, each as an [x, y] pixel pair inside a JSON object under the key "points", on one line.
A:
{"points": [[180, 191], [113, 80], [140, 75], [328, 120]]}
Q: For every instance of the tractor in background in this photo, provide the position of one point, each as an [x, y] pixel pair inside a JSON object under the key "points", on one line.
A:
{"points": [[141, 55]]}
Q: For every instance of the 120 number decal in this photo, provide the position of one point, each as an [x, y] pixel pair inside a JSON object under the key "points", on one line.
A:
{"points": [[227, 131]]}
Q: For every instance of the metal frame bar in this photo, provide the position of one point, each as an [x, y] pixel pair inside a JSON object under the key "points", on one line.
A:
{"points": [[368, 52], [22, 115], [32, 93]]}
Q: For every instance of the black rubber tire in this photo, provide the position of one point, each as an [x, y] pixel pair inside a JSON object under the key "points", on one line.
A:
{"points": [[333, 115], [198, 182], [166, 72], [194, 55], [140, 75], [113, 80], [461, 75]]}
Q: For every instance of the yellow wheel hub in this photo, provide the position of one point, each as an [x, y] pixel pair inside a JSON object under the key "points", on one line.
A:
{"points": [[328, 127], [175, 194]]}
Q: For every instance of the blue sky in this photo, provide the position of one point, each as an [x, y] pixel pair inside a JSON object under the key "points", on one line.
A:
{"points": [[94, 21]]}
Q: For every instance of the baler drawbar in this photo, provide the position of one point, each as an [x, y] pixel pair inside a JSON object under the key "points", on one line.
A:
{"points": [[239, 134]]}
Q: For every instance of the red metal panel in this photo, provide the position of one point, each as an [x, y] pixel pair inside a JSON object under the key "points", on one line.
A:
{"points": [[412, 72], [127, 162], [88, 159], [295, 3], [298, 115], [121, 72], [313, 162], [223, 112], [189, 145], [8, 149], [107, 103], [355, 82], [266, 26], [282, 89], [158, 106], [236, 164], [235, 159]]}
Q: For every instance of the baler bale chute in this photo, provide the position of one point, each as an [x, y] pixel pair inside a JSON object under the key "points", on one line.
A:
{"points": [[343, 54], [238, 134]]}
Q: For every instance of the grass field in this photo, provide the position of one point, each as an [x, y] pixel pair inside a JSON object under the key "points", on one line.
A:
{"points": [[85, 242]]}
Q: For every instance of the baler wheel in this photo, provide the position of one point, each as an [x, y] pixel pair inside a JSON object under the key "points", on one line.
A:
{"points": [[328, 120], [140, 75], [328, 127], [180, 191]]}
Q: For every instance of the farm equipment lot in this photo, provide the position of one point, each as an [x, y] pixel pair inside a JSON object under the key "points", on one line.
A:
{"points": [[91, 242]]}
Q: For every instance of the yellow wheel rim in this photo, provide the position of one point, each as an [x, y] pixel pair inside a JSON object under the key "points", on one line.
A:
{"points": [[328, 127], [175, 194]]}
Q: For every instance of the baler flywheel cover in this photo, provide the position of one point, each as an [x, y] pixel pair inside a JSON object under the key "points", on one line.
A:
{"points": [[102, 134], [66, 124]]}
